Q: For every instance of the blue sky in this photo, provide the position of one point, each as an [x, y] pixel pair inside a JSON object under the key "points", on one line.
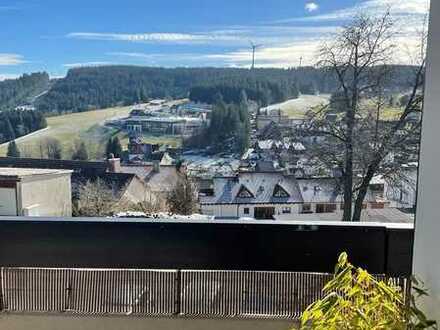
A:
{"points": [[55, 35]]}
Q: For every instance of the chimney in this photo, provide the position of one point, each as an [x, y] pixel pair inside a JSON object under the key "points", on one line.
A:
{"points": [[114, 164], [156, 166]]}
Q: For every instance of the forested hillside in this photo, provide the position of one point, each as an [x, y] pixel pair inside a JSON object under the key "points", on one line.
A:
{"points": [[14, 124], [100, 87], [15, 92]]}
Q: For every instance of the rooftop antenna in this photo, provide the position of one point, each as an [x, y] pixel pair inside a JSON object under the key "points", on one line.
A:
{"points": [[254, 49]]}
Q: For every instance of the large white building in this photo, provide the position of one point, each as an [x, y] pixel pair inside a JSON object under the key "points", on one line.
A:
{"points": [[275, 195], [170, 125]]}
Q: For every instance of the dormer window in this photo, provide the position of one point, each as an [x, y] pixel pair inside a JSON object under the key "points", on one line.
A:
{"points": [[244, 193], [280, 192]]}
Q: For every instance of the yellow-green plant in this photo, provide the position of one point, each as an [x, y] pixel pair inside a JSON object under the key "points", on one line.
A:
{"points": [[354, 299]]}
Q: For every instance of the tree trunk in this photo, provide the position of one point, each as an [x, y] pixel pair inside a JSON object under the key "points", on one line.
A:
{"points": [[364, 188], [348, 171], [348, 184], [359, 202]]}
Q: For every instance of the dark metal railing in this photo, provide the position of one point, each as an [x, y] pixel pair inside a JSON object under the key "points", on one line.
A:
{"points": [[89, 291], [249, 294], [188, 293]]}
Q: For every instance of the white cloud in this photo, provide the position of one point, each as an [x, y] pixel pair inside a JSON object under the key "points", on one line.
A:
{"points": [[284, 42], [278, 56], [281, 56], [143, 56], [6, 76], [238, 36], [11, 59], [155, 37], [397, 8], [86, 64], [311, 6], [57, 76]]}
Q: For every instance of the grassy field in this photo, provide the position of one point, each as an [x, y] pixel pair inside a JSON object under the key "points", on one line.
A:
{"points": [[85, 126], [297, 108]]}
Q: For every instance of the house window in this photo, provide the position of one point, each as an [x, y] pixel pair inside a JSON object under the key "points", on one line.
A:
{"points": [[307, 208], [244, 193], [280, 192], [246, 210], [286, 210]]}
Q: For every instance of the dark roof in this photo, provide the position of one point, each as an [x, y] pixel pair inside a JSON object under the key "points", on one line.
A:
{"points": [[264, 166], [162, 181], [141, 170], [117, 182], [75, 165]]}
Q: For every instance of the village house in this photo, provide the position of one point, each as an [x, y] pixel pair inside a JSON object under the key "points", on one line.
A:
{"points": [[125, 186], [35, 192], [402, 190], [158, 178], [276, 195], [138, 151], [267, 116]]}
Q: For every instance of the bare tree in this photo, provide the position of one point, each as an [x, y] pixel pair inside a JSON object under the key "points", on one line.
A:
{"points": [[50, 148], [96, 199], [183, 198], [151, 205], [358, 141]]}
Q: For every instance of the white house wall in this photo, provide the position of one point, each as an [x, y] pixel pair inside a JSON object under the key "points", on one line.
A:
{"points": [[50, 196], [234, 210], [8, 202]]}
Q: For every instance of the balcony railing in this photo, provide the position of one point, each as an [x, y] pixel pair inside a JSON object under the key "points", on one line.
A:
{"points": [[166, 293], [228, 269]]}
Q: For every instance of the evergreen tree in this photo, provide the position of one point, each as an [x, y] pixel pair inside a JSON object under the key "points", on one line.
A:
{"points": [[15, 123], [182, 199], [113, 147], [109, 148], [9, 133], [117, 148], [80, 151], [229, 128], [15, 92], [13, 150]]}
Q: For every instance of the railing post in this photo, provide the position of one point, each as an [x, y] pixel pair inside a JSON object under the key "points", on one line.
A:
{"points": [[178, 293], [1, 289]]}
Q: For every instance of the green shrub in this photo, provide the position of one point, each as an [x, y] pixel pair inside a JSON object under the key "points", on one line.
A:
{"points": [[354, 299]]}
